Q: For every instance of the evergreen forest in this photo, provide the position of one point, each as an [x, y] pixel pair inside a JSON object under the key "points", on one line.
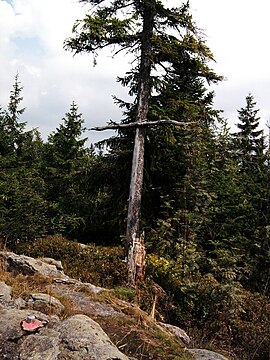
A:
{"points": [[205, 206]]}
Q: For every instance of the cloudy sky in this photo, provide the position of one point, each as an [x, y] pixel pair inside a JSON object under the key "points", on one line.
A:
{"points": [[31, 43]]}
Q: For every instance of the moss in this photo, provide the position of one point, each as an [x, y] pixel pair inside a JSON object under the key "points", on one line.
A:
{"points": [[124, 293]]}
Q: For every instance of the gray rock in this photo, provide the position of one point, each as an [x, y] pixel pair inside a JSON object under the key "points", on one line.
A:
{"points": [[94, 289], [84, 339], [10, 323], [19, 303], [5, 292], [176, 331], [21, 264], [52, 261], [46, 303], [42, 346], [76, 338], [82, 303], [11, 333], [66, 280], [6, 300], [202, 354]]}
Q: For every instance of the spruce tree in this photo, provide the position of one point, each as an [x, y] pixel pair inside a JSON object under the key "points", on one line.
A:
{"points": [[63, 163], [11, 129], [22, 204], [249, 139], [251, 154]]}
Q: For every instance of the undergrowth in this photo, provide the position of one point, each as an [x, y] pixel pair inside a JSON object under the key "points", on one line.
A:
{"points": [[221, 316]]}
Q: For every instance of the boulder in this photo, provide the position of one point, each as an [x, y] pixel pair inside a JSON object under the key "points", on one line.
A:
{"points": [[94, 289], [5, 292], [11, 333], [84, 339], [21, 264], [41, 346], [176, 331], [10, 323], [52, 261], [6, 301], [68, 281], [46, 303], [202, 354], [76, 338]]}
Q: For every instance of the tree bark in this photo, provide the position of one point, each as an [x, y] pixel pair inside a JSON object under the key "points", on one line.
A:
{"points": [[135, 240]]}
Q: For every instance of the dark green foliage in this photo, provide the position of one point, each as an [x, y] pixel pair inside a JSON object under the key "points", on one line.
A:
{"points": [[65, 160], [249, 140], [251, 156], [22, 205], [224, 315]]}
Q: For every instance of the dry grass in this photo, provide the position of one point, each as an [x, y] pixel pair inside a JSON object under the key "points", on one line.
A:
{"points": [[135, 334], [23, 285]]}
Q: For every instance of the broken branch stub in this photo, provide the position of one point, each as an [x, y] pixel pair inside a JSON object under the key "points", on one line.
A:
{"points": [[136, 260]]}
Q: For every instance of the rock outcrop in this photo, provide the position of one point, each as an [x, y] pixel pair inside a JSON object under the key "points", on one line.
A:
{"points": [[28, 266], [77, 337], [53, 332]]}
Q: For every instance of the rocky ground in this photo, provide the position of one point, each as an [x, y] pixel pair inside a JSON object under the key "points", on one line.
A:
{"points": [[74, 320]]}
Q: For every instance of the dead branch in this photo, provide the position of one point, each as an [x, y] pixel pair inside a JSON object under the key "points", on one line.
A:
{"points": [[115, 126]]}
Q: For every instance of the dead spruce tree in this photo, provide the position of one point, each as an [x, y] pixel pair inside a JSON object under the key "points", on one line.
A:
{"points": [[158, 37]]}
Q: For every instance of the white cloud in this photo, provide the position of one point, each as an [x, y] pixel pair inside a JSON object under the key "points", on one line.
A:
{"points": [[31, 42], [237, 34]]}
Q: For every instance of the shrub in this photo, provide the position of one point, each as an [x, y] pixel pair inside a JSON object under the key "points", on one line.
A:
{"points": [[215, 314], [102, 266]]}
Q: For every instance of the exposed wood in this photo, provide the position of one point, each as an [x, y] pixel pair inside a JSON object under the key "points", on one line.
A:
{"points": [[136, 260], [134, 238], [115, 126], [135, 242], [152, 314]]}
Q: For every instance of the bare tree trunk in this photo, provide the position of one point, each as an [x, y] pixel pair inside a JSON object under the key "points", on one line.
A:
{"points": [[136, 251], [135, 240]]}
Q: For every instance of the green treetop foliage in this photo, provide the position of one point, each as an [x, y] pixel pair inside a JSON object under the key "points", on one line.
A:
{"points": [[16, 143], [64, 161], [15, 99], [250, 152], [11, 129], [22, 206], [251, 155], [66, 141], [249, 140], [175, 40]]}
